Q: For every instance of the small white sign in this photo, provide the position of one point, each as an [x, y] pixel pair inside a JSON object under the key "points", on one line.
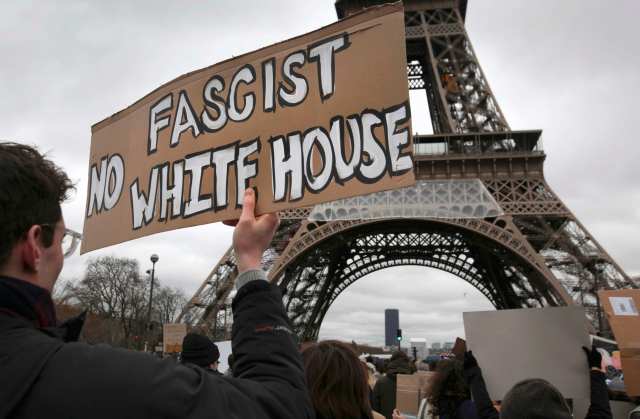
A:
{"points": [[623, 306]]}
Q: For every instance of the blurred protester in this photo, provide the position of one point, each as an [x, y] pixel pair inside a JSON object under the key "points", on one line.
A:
{"points": [[536, 398], [384, 392], [201, 351], [372, 374], [378, 363], [43, 376], [337, 381], [449, 396]]}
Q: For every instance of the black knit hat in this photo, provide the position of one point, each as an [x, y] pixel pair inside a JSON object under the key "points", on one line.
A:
{"points": [[199, 350], [534, 399]]}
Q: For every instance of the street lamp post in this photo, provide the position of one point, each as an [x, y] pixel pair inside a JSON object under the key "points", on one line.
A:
{"points": [[154, 259]]}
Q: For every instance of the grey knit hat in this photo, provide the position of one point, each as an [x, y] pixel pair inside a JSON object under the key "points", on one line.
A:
{"points": [[534, 399]]}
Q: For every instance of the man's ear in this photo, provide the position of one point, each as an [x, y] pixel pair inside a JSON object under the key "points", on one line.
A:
{"points": [[32, 248]]}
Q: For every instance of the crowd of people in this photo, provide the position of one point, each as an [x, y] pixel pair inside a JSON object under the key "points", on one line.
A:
{"points": [[47, 373]]}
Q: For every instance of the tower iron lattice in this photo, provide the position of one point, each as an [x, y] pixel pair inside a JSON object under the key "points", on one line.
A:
{"points": [[536, 254]]}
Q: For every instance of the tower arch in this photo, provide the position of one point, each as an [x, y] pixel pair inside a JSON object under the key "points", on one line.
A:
{"points": [[337, 254]]}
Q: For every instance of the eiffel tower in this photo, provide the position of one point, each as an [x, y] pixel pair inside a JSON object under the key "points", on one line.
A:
{"points": [[535, 254]]}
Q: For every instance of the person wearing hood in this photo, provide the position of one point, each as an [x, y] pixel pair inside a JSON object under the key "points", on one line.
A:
{"points": [[384, 391]]}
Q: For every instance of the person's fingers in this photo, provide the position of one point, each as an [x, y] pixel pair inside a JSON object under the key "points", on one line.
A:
{"points": [[248, 204], [269, 221]]}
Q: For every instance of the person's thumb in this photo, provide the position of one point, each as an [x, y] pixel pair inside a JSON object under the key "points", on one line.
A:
{"points": [[248, 204]]}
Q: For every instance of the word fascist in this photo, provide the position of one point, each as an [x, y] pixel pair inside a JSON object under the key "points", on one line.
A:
{"points": [[218, 110]]}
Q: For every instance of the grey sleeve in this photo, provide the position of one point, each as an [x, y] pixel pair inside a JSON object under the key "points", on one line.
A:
{"points": [[250, 275]]}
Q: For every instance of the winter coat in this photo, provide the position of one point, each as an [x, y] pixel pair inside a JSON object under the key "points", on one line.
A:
{"points": [[384, 392], [44, 377], [598, 409]]}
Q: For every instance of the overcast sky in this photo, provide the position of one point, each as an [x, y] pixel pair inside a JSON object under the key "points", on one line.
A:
{"points": [[570, 68]]}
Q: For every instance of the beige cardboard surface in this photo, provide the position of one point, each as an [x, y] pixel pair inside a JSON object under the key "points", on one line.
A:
{"points": [[621, 309], [313, 119], [172, 336], [410, 390], [513, 345]]}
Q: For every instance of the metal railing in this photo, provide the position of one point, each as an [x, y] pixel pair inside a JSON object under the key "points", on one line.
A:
{"points": [[478, 143]]}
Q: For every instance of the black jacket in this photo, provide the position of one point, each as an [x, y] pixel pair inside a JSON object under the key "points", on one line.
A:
{"points": [[598, 409], [44, 377]]}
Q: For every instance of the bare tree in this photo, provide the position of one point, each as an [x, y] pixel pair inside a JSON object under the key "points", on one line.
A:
{"points": [[167, 304], [112, 288]]}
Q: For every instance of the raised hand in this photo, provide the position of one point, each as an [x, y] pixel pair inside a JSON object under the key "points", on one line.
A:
{"points": [[252, 234], [594, 358], [470, 361]]}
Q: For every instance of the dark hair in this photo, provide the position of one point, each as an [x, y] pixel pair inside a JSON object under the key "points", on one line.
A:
{"points": [[448, 388], [533, 398], [337, 381], [31, 191]]}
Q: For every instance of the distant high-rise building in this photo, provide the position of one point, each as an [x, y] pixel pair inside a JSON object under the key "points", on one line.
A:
{"points": [[436, 345], [448, 346], [391, 326]]}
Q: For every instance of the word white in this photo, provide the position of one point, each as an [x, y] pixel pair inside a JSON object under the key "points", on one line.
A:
{"points": [[143, 206]]}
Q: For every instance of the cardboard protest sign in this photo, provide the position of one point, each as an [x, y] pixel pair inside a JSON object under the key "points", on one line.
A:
{"points": [[313, 119], [410, 389], [172, 336], [513, 345], [621, 308]]}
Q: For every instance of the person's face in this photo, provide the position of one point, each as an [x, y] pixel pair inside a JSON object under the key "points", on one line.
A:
{"points": [[52, 258]]}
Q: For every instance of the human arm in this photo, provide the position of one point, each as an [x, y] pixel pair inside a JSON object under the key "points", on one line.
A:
{"points": [[266, 358], [107, 382], [599, 407], [473, 377]]}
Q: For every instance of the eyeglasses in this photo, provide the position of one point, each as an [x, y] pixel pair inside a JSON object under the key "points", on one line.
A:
{"points": [[70, 240]]}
